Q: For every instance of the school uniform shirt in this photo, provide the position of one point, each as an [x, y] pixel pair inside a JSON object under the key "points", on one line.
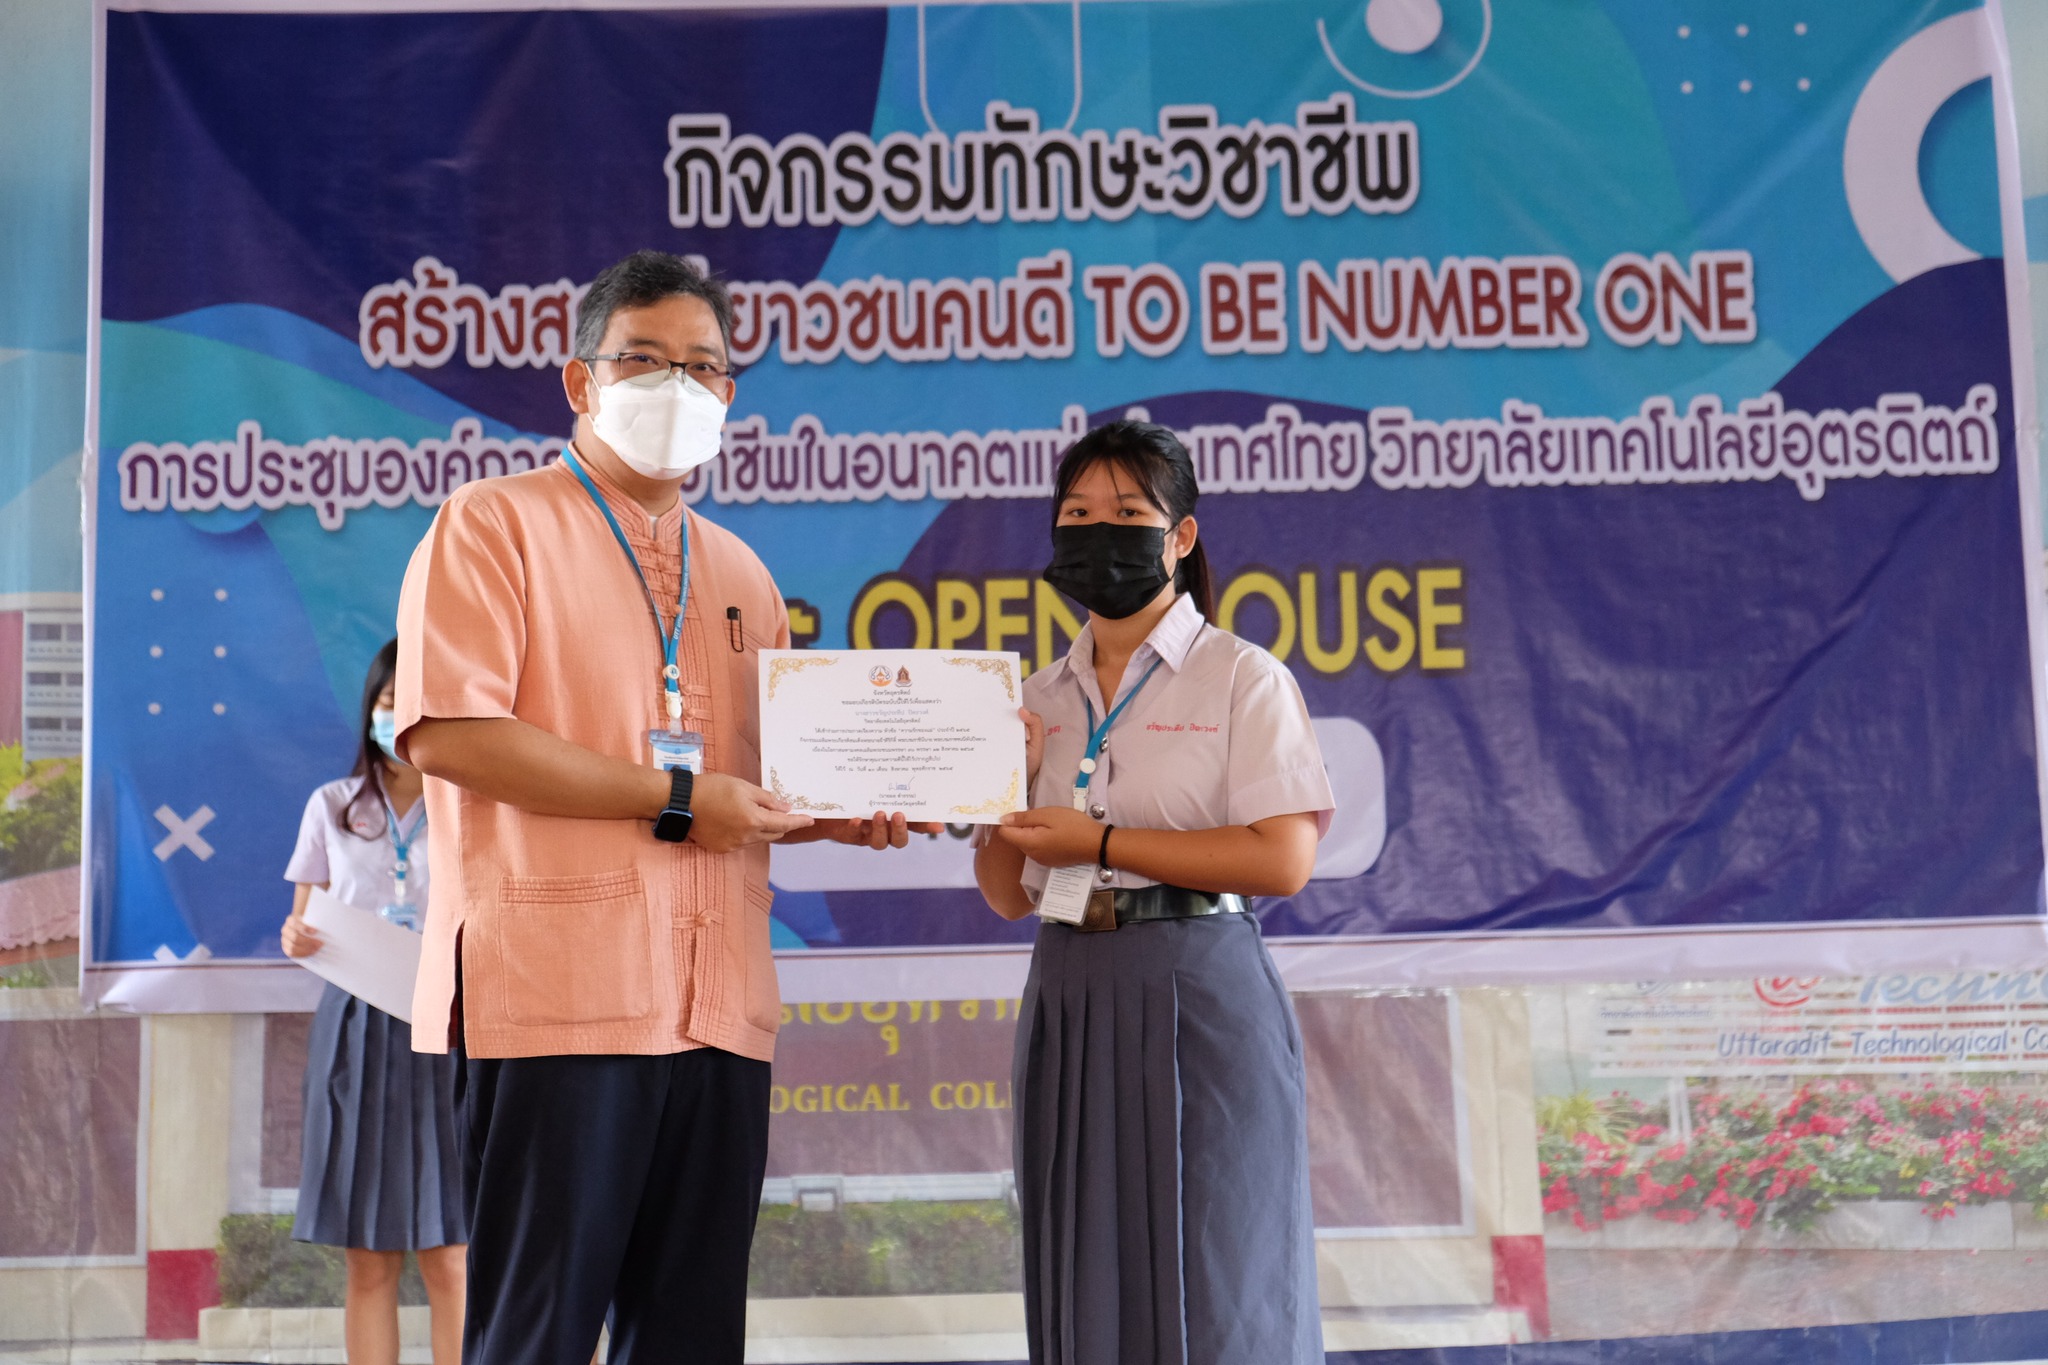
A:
{"points": [[586, 936], [357, 865], [1219, 736]]}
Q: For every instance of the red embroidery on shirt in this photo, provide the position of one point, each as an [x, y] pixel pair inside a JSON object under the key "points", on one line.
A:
{"points": [[1180, 726], [1054, 729]]}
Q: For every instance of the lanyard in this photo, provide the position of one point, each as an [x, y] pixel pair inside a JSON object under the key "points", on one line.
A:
{"points": [[1098, 735], [401, 845], [671, 637]]}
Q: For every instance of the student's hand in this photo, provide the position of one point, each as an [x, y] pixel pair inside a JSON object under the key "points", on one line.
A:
{"points": [[1052, 836], [299, 938], [878, 831], [1034, 743], [730, 814]]}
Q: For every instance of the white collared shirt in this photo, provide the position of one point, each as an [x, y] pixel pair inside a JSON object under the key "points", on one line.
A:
{"points": [[358, 865], [1219, 736]]}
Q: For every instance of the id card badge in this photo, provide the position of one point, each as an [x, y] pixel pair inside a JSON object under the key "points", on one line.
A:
{"points": [[401, 913], [1065, 897], [672, 749]]}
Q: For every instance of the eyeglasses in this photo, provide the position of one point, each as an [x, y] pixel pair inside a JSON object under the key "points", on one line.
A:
{"points": [[646, 371]]}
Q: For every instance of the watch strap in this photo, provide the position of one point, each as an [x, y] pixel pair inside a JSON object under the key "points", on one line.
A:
{"points": [[681, 783]]}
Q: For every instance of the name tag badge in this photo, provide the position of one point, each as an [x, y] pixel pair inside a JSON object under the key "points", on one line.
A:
{"points": [[1065, 898], [672, 749]]}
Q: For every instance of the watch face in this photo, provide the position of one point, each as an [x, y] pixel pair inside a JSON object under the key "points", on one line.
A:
{"points": [[672, 826]]}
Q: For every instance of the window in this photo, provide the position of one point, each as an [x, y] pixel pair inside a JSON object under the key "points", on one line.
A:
{"points": [[75, 634], [45, 724], [42, 631], [74, 679], [74, 725], [46, 680]]}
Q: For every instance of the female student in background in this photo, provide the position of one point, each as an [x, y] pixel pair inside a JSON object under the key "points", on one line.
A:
{"points": [[380, 1169], [1161, 1134]]}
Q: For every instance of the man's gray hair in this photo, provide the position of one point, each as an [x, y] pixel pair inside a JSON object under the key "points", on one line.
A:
{"points": [[643, 278]]}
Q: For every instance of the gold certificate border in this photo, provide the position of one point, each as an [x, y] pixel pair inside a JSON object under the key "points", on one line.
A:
{"points": [[796, 802], [778, 669], [999, 668]]}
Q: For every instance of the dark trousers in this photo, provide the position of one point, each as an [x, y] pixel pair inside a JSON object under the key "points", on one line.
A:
{"points": [[607, 1182]]}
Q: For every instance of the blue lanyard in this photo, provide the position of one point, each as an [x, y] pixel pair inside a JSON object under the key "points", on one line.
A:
{"points": [[402, 845], [671, 637], [1098, 735]]}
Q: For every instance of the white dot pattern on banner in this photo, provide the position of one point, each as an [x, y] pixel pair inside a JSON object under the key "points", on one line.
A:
{"points": [[1685, 87], [156, 708], [1805, 84], [1742, 30], [156, 594], [1745, 87], [1685, 30], [1404, 26], [220, 651], [220, 594], [220, 708], [156, 651]]}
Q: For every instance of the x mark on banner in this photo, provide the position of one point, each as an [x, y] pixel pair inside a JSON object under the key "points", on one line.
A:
{"points": [[184, 833]]}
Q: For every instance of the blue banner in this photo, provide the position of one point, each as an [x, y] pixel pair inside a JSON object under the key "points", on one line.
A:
{"points": [[1629, 468]]}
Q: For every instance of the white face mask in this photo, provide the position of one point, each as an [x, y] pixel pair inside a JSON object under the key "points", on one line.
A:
{"points": [[664, 429], [384, 729]]}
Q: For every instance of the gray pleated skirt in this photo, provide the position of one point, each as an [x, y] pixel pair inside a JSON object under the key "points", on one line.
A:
{"points": [[380, 1166], [1162, 1151]]}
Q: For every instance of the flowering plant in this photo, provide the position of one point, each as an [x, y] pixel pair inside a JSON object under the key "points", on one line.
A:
{"points": [[1789, 1158]]}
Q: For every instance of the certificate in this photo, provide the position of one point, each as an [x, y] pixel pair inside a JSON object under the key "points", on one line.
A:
{"points": [[363, 953], [933, 733]]}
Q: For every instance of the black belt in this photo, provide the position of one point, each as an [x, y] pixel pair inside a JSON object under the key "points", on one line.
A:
{"points": [[1113, 909]]}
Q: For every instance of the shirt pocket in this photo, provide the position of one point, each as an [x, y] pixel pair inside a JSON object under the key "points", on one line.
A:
{"points": [[574, 950], [744, 665]]}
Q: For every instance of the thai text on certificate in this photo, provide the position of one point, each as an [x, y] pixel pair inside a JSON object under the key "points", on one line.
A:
{"points": [[932, 733]]}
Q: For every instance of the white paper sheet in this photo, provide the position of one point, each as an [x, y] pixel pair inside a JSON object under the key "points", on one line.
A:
{"points": [[933, 733], [363, 953]]}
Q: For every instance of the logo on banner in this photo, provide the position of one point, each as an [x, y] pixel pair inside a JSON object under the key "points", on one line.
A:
{"points": [[1785, 992]]}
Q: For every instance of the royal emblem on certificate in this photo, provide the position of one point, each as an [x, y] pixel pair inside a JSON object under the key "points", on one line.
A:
{"points": [[933, 733]]}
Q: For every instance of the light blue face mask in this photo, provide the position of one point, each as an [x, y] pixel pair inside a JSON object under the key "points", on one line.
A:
{"points": [[384, 729]]}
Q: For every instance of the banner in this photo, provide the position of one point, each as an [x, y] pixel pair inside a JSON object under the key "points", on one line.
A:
{"points": [[1613, 420]]}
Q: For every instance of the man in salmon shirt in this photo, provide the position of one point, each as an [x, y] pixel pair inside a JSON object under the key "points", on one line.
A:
{"points": [[597, 938]]}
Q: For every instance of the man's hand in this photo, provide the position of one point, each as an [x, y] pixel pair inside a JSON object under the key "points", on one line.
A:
{"points": [[730, 814], [878, 831], [1052, 836]]}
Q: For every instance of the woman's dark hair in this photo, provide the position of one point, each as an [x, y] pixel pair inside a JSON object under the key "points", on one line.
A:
{"points": [[370, 757], [1159, 464]]}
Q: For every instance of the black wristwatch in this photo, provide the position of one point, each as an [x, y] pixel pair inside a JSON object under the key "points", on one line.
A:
{"points": [[673, 824]]}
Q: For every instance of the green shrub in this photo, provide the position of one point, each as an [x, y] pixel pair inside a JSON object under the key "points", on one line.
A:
{"points": [[262, 1267], [905, 1247]]}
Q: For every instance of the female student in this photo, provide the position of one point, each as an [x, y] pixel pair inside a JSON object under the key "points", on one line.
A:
{"points": [[380, 1171], [1161, 1150]]}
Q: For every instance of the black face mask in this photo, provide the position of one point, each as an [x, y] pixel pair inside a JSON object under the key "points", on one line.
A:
{"points": [[1112, 570]]}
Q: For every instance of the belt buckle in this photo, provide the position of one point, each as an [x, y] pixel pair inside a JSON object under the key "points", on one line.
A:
{"points": [[1100, 916]]}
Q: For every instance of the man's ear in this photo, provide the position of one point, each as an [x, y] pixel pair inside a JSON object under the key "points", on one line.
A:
{"points": [[578, 384]]}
